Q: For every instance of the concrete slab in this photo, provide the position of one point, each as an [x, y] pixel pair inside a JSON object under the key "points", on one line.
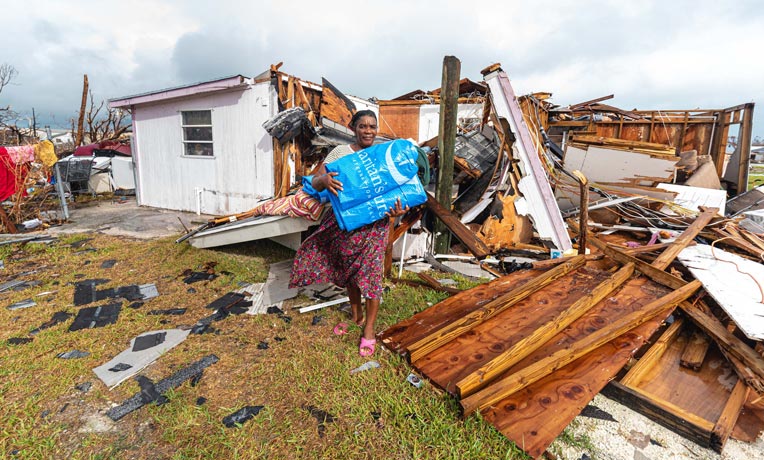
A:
{"points": [[126, 218]]}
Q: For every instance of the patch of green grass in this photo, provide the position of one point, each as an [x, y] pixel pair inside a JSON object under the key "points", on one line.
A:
{"points": [[378, 414]]}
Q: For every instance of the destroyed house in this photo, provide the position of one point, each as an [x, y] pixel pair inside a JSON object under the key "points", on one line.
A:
{"points": [[203, 148]]}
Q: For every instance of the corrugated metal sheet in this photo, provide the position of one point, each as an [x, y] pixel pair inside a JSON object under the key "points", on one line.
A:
{"points": [[239, 174]]}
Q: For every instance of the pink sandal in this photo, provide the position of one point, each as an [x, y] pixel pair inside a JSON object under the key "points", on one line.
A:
{"points": [[367, 347], [341, 329]]}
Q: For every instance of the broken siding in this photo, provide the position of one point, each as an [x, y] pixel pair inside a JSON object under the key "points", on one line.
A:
{"points": [[239, 173]]}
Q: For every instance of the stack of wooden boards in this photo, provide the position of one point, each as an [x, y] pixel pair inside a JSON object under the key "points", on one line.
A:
{"points": [[530, 350]]}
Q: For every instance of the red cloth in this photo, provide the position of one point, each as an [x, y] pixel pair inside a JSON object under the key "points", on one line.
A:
{"points": [[8, 175]]}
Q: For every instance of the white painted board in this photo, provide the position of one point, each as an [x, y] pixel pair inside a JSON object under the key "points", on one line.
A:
{"points": [[693, 197], [618, 166], [734, 282]]}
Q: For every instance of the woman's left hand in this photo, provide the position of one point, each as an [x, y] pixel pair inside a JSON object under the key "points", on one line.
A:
{"points": [[397, 210]]}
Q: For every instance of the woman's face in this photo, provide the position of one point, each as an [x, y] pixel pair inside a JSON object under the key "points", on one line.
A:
{"points": [[365, 131]]}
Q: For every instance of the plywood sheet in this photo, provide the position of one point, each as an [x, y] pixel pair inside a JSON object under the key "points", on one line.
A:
{"points": [[399, 121], [535, 416], [734, 282], [703, 392]]}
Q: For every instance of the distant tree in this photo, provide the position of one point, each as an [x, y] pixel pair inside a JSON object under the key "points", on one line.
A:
{"points": [[102, 123], [8, 117]]}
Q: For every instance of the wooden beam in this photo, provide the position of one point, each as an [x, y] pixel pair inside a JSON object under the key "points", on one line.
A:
{"points": [[417, 284], [290, 93], [538, 370], [668, 256], [446, 145], [744, 144], [474, 244], [695, 351], [456, 328], [653, 354], [659, 276], [583, 217], [435, 284], [536, 339], [725, 339], [727, 421]]}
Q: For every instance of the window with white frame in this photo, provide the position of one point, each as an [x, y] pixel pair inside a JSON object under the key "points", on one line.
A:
{"points": [[197, 133]]}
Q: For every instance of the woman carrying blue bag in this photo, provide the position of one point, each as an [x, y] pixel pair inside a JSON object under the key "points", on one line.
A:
{"points": [[355, 259]]}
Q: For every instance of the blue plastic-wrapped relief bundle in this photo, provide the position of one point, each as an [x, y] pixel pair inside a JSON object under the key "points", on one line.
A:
{"points": [[410, 193], [373, 171], [307, 187]]}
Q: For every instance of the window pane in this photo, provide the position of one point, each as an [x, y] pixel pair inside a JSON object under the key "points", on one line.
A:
{"points": [[197, 134], [198, 149], [197, 117]]}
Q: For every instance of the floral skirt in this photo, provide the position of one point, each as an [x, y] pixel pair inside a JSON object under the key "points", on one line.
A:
{"points": [[343, 258]]}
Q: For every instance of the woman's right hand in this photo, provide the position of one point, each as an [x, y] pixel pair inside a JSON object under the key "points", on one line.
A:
{"points": [[328, 182]]}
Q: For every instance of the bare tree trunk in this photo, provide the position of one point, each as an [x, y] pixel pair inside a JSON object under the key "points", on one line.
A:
{"points": [[79, 139]]}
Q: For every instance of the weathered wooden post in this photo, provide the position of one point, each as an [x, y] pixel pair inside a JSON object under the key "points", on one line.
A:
{"points": [[449, 95]]}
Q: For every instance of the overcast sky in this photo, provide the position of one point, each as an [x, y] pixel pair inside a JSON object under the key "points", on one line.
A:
{"points": [[650, 54]]}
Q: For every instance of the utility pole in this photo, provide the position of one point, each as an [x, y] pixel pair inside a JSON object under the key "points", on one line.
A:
{"points": [[449, 96]]}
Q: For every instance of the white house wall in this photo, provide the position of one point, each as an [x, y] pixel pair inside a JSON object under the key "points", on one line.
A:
{"points": [[239, 174], [429, 118]]}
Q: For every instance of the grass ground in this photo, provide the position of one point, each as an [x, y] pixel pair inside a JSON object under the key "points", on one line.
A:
{"points": [[377, 414], [755, 176]]}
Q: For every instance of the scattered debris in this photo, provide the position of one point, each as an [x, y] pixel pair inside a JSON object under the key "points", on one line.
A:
{"points": [[73, 354], [137, 401], [368, 365], [241, 416], [109, 263], [58, 317], [414, 380], [21, 304], [322, 417], [169, 311], [90, 317], [143, 350], [84, 387], [19, 340]]}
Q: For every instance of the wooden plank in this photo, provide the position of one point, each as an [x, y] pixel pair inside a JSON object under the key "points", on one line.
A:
{"points": [[695, 351], [522, 348], [530, 374], [474, 244], [290, 93], [418, 284], [699, 433], [653, 354], [509, 230], [668, 256], [657, 275], [398, 337], [446, 145], [725, 339], [583, 217], [726, 423], [435, 284], [455, 328]]}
